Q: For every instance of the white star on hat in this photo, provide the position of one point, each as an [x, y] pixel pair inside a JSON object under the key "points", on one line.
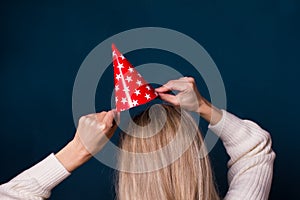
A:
{"points": [[135, 102], [118, 76], [117, 87], [114, 54], [137, 92], [128, 79], [139, 82], [124, 100], [147, 96], [126, 89], [120, 66], [130, 69]]}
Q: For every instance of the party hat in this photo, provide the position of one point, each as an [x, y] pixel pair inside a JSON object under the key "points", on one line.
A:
{"points": [[131, 89]]}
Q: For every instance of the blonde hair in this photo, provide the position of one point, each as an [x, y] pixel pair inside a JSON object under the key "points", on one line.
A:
{"points": [[187, 178]]}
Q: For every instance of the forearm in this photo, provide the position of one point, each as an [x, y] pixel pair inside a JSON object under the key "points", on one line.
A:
{"points": [[208, 112], [73, 155]]}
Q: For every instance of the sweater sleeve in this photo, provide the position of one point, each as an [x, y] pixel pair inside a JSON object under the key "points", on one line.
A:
{"points": [[36, 182], [251, 157]]}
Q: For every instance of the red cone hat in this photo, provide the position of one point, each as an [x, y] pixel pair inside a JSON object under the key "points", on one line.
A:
{"points": [[131, 89]]}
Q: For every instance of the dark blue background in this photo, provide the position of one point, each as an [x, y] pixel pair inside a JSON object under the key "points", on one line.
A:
{"points": [[254, 43]]}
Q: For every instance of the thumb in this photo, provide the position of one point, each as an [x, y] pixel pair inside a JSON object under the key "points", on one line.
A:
{"points": [[169, 98]]}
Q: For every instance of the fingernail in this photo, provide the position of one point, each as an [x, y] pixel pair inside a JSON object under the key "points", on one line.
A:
{"points": [[101, 126]]}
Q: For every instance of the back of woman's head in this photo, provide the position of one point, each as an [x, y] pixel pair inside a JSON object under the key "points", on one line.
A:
{"points": [[163, 157]]}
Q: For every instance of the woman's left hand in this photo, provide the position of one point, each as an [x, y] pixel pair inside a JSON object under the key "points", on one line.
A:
{"points": [[189, 98], [93, 132]]}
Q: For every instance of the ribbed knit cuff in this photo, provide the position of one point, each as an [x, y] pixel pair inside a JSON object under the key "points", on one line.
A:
{"points": [[239, 136], [48, 173]]}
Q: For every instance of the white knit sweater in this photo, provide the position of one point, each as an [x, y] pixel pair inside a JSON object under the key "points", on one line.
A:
{"points": [[249, 176]]}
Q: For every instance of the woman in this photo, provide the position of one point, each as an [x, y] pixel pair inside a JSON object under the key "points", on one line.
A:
{"points": [[189, 177]]}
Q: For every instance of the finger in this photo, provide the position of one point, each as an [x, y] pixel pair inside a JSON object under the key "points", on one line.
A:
{"points": [[183, 78], [111, 131], [162, 89], [108, 119], [100, 116], [116, 117], [188, 79], [169, 98], [179, 85]]}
